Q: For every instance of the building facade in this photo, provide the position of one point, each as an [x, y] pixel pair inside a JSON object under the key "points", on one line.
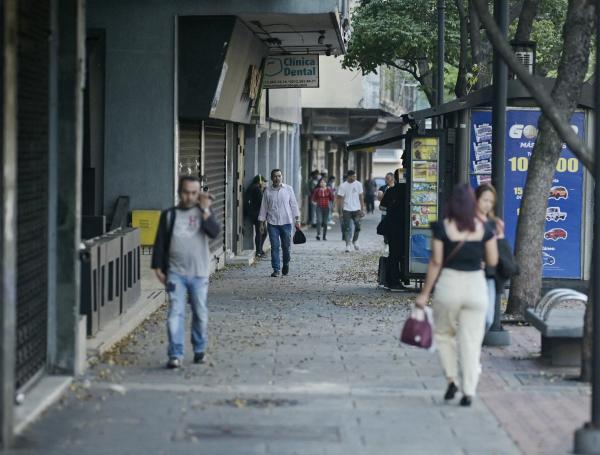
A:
{"points": [[111, 101]]}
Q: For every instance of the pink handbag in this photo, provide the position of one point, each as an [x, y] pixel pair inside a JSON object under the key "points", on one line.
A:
{"points": [[417, 332]]}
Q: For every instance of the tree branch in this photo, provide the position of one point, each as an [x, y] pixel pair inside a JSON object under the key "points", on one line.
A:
{"points": [[526, 18], [544, 100]]}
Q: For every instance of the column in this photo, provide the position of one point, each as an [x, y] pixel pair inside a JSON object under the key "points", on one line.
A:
{"points": [[8, 225], [70, 53]]}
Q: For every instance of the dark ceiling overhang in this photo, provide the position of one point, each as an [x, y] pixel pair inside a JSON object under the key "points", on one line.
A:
{"points": [[517, 95], [376, 139], [283, 33]]}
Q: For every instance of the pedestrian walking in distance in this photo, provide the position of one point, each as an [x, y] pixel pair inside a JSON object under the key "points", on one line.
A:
{"points": [[485, 194], [279, 209], [181, 261], [461, 242], [254, 196], [322, 197], [351, 199]]}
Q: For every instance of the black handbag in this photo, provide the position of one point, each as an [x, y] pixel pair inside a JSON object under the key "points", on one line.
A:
{"points": [[299, 237], [507, 264], [381, 227]]}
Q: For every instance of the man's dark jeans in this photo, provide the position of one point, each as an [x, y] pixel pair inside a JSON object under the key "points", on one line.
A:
{"points": [[392, 272], [280, 236]]}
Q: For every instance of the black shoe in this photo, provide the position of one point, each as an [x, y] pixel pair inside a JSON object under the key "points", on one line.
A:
{"points": [[173, 363], [199, 357], [450, 391], [318, 238], [324, 238], [465, 401], [275, 273], [285, 270]]}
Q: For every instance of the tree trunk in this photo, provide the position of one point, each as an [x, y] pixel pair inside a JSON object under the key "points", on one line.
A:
{"points": [[577, 32], [460, 89], [426, 80], [526, 18]]}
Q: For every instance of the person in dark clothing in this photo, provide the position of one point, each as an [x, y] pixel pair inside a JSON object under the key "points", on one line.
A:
{"points": [[394, 201], [181, 260], [254, 196], [370, 194]]}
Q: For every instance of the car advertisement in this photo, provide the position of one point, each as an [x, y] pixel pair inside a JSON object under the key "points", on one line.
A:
{"points": [[561, 255]]}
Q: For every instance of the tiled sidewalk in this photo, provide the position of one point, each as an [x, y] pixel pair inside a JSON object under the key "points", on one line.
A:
{"points": [[307, 364]]}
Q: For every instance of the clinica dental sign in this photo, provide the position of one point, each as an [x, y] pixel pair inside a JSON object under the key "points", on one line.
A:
{"points": [[291, 71]]}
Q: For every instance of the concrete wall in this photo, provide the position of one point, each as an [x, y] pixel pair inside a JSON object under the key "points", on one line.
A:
{"points": [[140, 89], [139, 125], [285, 105], [338, 88]]}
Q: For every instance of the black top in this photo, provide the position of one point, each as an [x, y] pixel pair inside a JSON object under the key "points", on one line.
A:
{"points": [[471, 254], [253, 201], [394, 200]]}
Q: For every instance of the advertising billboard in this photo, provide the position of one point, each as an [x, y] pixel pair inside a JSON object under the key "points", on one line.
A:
{"points": [[561, 253]]}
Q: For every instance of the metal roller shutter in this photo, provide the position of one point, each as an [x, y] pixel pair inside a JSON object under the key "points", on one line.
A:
{"points": [[215, 175], [32, 180], [189, 149]]}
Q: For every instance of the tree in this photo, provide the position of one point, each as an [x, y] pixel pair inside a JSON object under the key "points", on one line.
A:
{"points": [[401, 34], [573, 67]]}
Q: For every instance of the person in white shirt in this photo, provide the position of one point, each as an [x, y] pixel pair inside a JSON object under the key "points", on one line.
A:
{"points": [[350, 198], [279, 209]]}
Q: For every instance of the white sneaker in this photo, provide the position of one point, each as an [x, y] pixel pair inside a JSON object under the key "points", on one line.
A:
{"points": [[356, 247], [347, 248]]}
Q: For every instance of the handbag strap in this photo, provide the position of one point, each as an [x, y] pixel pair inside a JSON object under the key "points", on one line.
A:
{"points": [[453, 253], [451, 256]]}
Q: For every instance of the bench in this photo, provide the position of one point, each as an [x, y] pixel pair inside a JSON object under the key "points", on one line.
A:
{"points": [[561, 328]]}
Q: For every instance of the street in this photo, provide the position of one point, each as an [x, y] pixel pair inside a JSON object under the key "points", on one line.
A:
{"points": [[304, 364]]}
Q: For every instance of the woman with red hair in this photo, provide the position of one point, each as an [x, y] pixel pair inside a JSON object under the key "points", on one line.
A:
{"points": [[461, 242]]}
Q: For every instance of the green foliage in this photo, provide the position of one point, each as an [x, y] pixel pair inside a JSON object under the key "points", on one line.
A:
{"points": [[547, 33], [399, 33]]}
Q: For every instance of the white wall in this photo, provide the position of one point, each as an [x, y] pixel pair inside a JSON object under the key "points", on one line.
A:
{"points": [[338, 88]]}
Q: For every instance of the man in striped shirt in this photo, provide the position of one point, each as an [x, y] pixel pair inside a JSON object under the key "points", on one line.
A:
{"points": [[279, 209]]}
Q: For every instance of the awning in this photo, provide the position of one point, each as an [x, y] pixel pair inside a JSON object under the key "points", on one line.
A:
{"points": [[368, 142]]}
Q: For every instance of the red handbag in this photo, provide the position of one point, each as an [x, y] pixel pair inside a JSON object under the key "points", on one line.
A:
{"points": [[417, 332]]}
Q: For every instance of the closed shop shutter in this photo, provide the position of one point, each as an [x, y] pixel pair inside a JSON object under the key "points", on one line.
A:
{"points": [[189, 149], [32, 181], [214, 173]]}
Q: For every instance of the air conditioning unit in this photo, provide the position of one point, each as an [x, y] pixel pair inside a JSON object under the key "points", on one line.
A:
{"points": [[525, 51]]}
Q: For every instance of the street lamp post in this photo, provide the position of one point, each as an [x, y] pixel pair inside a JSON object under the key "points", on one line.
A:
{"points": [[587, 438], [441, 50], [496, 335]]}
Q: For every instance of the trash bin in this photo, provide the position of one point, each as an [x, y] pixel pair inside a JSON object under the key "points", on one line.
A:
{"points": [[110, 247], [91, 285], [131, 276]]}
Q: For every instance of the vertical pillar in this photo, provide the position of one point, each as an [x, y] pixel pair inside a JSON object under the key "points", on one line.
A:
{"points": [[8, 225], [587, 438], [496, 335], [263, 154], [69, 143], [250, 162], [251, 169], [273, 150]]}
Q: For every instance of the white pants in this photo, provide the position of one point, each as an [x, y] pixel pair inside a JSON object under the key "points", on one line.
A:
{"points": [[491, 308], [460, 303]]}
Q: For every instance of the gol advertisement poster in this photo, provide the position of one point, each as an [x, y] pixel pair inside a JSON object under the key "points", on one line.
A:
{"points": [[561, 253]]}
